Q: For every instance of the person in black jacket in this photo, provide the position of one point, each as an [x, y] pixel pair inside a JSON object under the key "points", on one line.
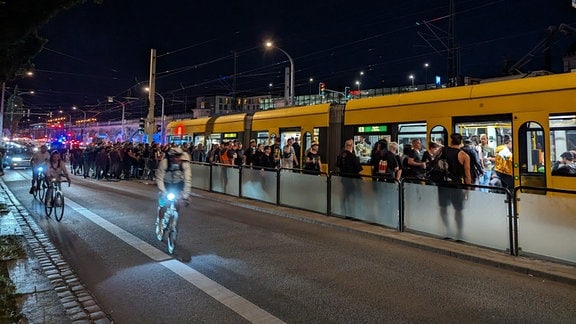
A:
{"points": [[347, 162], [383, 161]]}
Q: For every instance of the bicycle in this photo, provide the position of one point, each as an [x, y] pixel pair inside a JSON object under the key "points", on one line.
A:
{"points": [[56, 201], [169, 223], [40, 190]]}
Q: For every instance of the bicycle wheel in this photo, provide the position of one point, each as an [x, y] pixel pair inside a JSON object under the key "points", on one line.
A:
{"points": [[41, 191], [58, 206], [48, 203], [172, 232]]}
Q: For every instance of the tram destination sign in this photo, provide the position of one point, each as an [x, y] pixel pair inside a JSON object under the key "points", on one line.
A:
{"points": [[373, 129]]}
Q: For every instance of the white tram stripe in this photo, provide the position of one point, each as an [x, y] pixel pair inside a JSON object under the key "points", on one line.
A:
{"points": [[220, 293]]}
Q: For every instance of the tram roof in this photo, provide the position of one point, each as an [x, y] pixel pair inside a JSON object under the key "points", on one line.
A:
{"points": [[296, 114], [492, 89]]}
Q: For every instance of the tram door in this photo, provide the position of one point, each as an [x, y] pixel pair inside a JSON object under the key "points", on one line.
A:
{"points": [[530, 165]]}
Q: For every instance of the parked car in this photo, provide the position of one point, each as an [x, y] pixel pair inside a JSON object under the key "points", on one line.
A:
{"points": [[18, 157]]}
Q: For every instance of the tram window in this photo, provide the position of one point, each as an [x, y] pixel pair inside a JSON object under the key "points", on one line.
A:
{"points": [[215, 138], [531, 149], [307, 142], [563, 145], [495, 130], [198, 139], [410, 132], [439, 135], [287, 134], [262, 138]]}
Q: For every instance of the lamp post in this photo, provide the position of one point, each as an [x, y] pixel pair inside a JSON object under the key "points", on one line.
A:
{"points": [[358, 85], [426, 65], [411, 77], [84, 126], [291, 92], [123, 132]]}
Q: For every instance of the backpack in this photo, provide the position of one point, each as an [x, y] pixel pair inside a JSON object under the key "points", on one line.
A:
{"points": [[169, 164], [224, 157], [441, 170]]}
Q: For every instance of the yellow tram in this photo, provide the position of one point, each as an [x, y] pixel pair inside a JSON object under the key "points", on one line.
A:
{"points": [[538, 113]]}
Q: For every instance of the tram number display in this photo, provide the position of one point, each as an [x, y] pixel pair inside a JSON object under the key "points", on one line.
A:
{"points": [[373, 129]]}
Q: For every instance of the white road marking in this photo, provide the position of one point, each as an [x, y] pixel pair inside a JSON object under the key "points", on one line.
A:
{"points": [[228, 298]]}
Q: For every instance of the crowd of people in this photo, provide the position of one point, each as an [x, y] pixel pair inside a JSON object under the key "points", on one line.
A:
{"points": [[117, 161], [488, 166]]}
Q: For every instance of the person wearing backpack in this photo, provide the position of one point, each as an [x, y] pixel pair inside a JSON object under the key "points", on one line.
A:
{"points": [[458, 172], [173, 175], [383, 161], [476, 169]]}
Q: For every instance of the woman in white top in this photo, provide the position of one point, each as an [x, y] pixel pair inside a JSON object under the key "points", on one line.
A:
{"points": [[289, 159], [55, 169]]}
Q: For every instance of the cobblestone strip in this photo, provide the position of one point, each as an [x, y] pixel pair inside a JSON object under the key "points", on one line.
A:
{"points": [[78, 302]]}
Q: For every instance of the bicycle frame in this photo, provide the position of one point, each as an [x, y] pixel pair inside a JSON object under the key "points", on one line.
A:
{"points": [[171, 220], [40, 186]]}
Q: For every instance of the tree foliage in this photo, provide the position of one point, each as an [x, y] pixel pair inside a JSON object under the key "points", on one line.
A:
{"points": [[19, 39]]}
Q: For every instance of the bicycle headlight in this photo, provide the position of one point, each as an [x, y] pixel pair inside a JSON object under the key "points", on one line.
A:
{"points": [[40, 169], [171, 196]]}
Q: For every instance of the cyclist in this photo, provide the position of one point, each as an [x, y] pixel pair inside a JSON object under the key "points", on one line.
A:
{"points": [[56, 169], [39, 158], [173, 174]]}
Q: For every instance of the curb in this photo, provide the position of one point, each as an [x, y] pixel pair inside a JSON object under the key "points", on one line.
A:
{"points": [[79, 304]]}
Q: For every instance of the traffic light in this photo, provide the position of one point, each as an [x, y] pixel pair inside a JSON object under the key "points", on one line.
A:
{"points": [[322, 89], [141, 124], [347, 93]]}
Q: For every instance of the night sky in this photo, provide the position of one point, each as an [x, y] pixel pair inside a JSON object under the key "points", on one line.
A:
{"points": [[95, 51]]}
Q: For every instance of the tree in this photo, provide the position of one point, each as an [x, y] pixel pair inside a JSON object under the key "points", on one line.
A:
{"points": [[19, 39]]}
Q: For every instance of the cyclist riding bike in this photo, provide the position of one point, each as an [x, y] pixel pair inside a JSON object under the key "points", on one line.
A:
{"points": [[39, 159], [172, 175], [56, 169]]}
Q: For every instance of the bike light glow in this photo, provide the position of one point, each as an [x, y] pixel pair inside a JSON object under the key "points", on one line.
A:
{"points": [[171, 196], [17, 159], [40, 169]]}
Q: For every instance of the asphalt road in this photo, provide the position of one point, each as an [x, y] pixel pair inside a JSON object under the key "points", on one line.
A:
{"points": [[236, 264]]}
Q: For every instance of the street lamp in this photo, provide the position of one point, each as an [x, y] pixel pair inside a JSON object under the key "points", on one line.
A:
{"points": [[411, 77], [162, 119], [291, 93], [69, 116], [84, 127], [358, 85], [111, 99], [426, 65]]}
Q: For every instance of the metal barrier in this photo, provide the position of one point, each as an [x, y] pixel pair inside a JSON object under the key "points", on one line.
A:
{"points": [[487, 218], [543, 232], [459, 212]]}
